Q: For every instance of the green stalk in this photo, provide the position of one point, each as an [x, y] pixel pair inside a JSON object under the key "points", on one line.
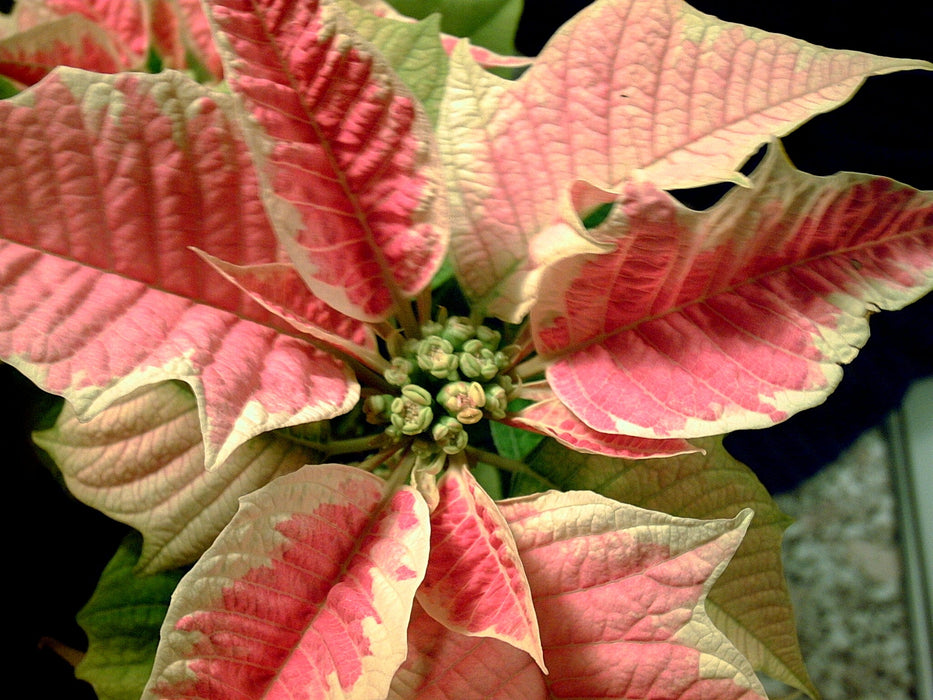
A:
{"points": [[509, 465]]}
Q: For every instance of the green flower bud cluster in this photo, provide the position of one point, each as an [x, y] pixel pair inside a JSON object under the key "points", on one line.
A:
{"points": [[450, 378]]}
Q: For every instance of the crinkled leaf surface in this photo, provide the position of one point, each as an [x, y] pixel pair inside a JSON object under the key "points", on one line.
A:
{"points": [[619, 593], [690, 323], [475, 584], [351, 173], [626, 85], [141, 461], [122, 621], [749, 602], [307, 593], [106, 182]]}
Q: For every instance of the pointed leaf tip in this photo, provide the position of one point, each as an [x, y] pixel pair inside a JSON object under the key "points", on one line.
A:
{"points": [[108, 181], [552, 418], [310, 587], [749, 603], [475, 583], [625, 86], [698, 323], [619, 593]]}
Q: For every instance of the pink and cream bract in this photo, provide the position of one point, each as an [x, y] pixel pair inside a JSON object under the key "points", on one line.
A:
{"points": [[239, 283]]}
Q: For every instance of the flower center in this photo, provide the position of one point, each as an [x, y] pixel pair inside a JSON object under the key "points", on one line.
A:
{"points": [[452, 377]]}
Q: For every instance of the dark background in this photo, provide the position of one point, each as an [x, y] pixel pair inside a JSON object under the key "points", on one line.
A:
{"points": [[60, 546]]}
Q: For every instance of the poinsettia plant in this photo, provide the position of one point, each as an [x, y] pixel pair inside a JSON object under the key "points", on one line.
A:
{"points": [[399, 353]]}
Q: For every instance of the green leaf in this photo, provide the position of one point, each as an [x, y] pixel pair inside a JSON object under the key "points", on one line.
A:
{"points": [[597, 215], [445, 273], [514, 443], [7, 89], [490, 479], [489, 23], [154, 62], [749, 602], [122, 621]]}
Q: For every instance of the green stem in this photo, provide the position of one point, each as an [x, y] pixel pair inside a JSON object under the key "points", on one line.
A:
{"points": [[509, 465], [477, 314], [338, 447], [369, 378], [401, 473], [423, 305], [532, 367], [526, 346], [374, 460], [351, 445], [459, 459], [384, 330], [405, 315]]}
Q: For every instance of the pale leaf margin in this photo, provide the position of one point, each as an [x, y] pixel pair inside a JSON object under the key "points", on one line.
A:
{"points": [[73, 40], [351, 178], [772, 286], [475, 583], [116, 317], [639, 62], [573, 567], [336, 629], [596, 642], [148, 444], [750, 602], [552, 418]]}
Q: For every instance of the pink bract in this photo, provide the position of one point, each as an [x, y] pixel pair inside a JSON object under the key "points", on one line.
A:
{"points": [[253, 282], [350, 170], [698, 323], [97, 267]]}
